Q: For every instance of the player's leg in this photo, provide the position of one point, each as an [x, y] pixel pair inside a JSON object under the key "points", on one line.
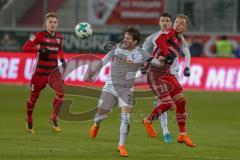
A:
{"points": [[165, 105], [99, 117], [126, 102], [180, 103], [124, 130], [167, 138], [161, 90], [57, 85], [180, 112], [36, 85], [105, 104], [164, 123]]}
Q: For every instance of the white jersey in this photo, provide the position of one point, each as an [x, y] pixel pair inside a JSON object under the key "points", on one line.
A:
{"points": [[125, 65]]}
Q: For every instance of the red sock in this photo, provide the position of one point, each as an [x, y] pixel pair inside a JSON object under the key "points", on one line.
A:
{"points": [[56, 107], [29, 111], [162, 107], [181, 114], [30, 106]]}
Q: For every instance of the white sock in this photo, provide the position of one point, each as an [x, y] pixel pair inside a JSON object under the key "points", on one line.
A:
{"points": [[124, 128], [164, 122], [98, 118]]}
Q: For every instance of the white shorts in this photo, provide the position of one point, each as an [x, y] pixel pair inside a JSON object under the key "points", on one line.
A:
{"points": [[110, 95]]}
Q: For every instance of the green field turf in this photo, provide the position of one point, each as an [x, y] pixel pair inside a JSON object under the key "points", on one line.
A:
{"points": [[213, 123]]}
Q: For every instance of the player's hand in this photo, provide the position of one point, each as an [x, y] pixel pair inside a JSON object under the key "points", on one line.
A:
{"points": [[161, 58], [63, 63], [186, 72], [170, 59]]}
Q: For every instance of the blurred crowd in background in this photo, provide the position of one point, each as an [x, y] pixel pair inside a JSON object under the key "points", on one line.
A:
{"points": [[213, 31]]}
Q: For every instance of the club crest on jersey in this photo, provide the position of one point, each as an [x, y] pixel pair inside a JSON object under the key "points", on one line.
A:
{"points": [[134, 56]]}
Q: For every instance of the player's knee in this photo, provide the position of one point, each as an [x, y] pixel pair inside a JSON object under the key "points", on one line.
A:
{"points": [[178, 97], [60, 96], [180, 101], [168, 103], [180, 105], [126, 109]]}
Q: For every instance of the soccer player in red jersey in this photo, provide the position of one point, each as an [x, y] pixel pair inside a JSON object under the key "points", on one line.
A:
{"points": [[48, 46], [164, 84]]}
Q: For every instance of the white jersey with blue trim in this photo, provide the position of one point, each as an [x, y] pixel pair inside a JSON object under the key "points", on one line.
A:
{"points": [[125, 64]]}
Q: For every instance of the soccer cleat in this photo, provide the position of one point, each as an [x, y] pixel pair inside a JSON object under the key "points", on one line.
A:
{"points": [[93, 131], [185, 139], [167, 138], [29, 127], [122, 151], [55, 125], [149, 128]]}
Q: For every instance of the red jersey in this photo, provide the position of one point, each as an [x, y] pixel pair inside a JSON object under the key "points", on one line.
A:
{"points": [[167, 43], [46, 63]]}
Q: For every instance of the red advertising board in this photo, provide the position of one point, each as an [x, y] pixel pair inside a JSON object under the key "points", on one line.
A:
{"points": [[143, 12], [217, 74]]}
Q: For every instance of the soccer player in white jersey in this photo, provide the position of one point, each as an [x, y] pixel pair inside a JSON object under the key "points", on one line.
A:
{"points": [[149, 45], [126, 58]]}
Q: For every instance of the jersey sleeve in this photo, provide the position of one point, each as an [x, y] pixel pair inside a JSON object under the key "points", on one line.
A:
{"points": [[148, 44], [161, 41], [107, 58], [145, 56], [31, 44], [185, 51]]}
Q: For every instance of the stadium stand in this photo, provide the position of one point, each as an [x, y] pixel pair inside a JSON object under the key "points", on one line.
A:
{"points": [[35, 14]]}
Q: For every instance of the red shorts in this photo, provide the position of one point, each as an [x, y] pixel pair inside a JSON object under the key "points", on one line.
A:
{"points": [[39, 82], [163, 86]]}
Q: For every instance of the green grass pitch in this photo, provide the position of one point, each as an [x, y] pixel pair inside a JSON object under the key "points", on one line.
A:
{"points": [[213, 124]]}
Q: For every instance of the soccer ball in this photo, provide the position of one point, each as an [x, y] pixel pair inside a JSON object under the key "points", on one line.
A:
{"points": [[83, 30]]}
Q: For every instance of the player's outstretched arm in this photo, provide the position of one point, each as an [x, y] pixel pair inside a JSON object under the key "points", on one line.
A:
{"points": [[95, 66], [148, 43], [31, 44], [187, 56]]}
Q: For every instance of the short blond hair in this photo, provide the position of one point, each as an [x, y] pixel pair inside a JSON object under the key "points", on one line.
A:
{"points": [[184, 17], [51, 14]]}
